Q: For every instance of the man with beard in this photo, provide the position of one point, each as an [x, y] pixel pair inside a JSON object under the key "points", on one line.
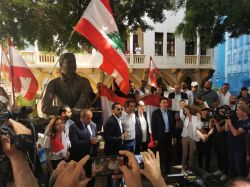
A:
{"points": [[233, 102], [65, 113], [207, 96], [113, 136], [188, 92], [113, 131]]}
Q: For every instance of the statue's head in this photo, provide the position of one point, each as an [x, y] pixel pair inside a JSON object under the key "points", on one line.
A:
{"points": [[67, 63]]}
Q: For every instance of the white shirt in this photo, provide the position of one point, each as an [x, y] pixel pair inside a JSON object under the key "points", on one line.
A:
{"points": [[128, 124], [190, 96], [138, 50], [61, 154], [143, 127], [120, 123], [196, 124], [90, 130], [224, 98]]}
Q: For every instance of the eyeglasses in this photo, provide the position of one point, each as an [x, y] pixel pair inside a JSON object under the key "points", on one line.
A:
{"points": [[119, 109]]}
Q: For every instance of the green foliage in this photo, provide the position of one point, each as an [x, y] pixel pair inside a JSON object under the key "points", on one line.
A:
{"points": [[50, 22], [212, 18]]}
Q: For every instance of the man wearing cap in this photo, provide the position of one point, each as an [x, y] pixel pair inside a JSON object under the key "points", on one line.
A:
{"points": [[236, 141], [194, 89], [244, 93], [69, 89], [224, 94]]}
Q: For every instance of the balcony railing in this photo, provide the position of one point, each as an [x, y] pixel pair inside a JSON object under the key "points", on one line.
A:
{"points": [[192, 61], [38, 57], [137, 59]]}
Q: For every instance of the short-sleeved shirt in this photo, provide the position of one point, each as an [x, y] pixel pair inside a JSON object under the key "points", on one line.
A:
{"points": [[238, 142], [209, 96]]}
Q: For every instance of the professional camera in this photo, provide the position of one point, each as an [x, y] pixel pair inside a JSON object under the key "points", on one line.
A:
{"points": [[225, 112], [221, 113], [213, 113], [23, 142]]}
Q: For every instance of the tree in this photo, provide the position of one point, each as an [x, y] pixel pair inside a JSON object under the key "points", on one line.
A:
{"points": [[50, 22], [213, 18]]}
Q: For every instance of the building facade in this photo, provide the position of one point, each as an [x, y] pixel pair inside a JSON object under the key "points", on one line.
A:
{"points": [[176, 59], [232, 63]]}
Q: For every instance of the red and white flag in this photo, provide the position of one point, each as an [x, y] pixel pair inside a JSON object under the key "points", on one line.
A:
{"points": [[22, 78], [5, 63], [97, 24], [151, 75], [108, 97]]}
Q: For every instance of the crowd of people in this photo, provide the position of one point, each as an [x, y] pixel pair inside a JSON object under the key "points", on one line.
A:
{"points": [[195, 120]]}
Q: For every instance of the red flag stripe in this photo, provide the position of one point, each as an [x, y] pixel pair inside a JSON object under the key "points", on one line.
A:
{"points": [[106, 4], [106, 92], [100, 42]]}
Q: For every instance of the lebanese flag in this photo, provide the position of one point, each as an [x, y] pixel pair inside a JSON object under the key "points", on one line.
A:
{"points": [[98, 26], [152, 102], [108, 97], [151, 75], [5, 63], [23, 79]]}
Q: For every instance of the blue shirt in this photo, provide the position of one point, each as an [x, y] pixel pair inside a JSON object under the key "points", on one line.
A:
{"points": [[165, 118]]}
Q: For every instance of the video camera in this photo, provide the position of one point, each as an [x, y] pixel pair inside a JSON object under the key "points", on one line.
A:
{"points": [[221, 113], [23, 142]]}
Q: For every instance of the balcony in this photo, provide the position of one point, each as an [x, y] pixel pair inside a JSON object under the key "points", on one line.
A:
{"points": [[41, 59]]}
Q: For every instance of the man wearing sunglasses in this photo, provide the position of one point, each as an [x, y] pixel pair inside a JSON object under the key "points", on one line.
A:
{"points": [[113, 137], [113, 131]]}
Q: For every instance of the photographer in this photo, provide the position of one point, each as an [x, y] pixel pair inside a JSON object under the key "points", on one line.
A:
{"points": [[236, 137], [219, 139], [23, 175], [204, 146]]}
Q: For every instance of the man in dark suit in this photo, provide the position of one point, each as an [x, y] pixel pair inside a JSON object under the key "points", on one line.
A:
{"points": [[82, 136], [175, 98], [164, 133], [113, 132], [141, 129], [113, 137]]}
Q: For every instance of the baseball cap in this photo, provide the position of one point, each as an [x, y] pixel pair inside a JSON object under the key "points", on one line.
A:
{"points": [[194, 83]]}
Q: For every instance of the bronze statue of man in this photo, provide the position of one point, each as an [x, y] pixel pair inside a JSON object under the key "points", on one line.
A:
{"points": [[68, 89]]}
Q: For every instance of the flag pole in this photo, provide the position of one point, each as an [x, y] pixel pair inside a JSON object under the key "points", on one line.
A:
{"points": [[1, 64], [64, 47], [12, 74], [163, 80]]}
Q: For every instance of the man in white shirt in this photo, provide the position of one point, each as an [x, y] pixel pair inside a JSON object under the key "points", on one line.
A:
{"points": [[128, 125], [188, 92], [138, 50], [224, 94], [65, 113]]}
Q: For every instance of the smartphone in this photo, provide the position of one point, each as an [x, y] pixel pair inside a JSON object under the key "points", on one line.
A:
{"points": [[108, 165], [105, 165], [140, 161]]}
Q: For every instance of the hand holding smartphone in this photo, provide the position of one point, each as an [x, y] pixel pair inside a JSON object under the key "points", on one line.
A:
{"points": [[108, 165]]}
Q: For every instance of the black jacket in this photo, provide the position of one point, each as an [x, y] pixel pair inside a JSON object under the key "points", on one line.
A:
{"points": [[112, 136], [80, 141], [183, 95], [158, 125]]}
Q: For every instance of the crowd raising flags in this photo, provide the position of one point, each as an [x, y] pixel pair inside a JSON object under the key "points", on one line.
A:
{"points": [[23, 80], [97, 24]]}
